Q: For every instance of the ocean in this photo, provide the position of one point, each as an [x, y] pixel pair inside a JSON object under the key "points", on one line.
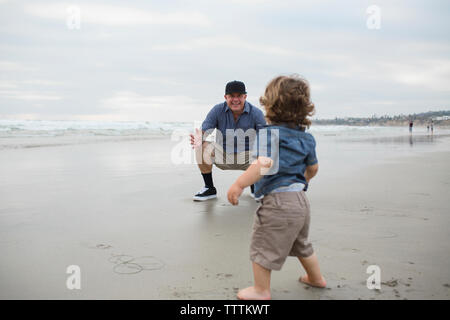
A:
{"points": [[55, 128], [17, 134]]}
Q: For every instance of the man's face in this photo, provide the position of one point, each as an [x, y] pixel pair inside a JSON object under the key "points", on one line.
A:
{"points": [[236, 101]]}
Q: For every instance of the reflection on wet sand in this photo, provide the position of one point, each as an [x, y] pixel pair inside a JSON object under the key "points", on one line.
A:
{"points": [[411, 139]]}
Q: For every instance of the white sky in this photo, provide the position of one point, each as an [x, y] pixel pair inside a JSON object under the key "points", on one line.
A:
{"points": [[170, 60]]}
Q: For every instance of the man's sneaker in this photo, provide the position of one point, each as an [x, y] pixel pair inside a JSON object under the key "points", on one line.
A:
{"points": [[206, 194]]}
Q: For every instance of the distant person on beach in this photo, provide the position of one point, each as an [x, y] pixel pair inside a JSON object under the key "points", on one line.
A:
{"points": [[431, 126], [240, 117], [281, 223], [410, 126]]}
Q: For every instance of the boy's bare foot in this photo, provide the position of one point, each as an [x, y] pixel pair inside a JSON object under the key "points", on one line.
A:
{"points": [[251, 293], [318, 284]]}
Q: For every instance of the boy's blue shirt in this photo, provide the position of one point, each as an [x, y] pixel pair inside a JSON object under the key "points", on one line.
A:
{"points": [[296, 150]]}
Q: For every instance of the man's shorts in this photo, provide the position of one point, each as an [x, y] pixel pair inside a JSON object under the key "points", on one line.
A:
{"points": [[280, 229], [229, 161]]}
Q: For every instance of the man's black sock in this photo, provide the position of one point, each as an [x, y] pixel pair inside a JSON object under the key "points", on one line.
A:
{"points": [[252, 188], [207, 177]]}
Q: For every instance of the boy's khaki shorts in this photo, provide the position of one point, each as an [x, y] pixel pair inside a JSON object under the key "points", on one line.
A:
{"points": [[280, 229], [229, 161]]}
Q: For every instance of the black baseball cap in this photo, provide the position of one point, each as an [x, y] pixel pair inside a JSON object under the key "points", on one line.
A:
{"points": [[235, 87]]}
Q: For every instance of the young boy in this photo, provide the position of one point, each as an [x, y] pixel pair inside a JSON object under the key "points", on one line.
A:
{"points": [[281, 223]]}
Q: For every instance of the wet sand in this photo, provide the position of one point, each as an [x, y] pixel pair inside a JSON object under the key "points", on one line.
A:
{"points": [[124, 214]]}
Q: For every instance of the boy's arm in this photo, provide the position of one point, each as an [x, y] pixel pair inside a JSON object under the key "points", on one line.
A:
{"points": [[311, 171], [254, 172]]}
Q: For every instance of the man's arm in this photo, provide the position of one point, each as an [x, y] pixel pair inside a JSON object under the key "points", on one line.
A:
{"points": [[209, 123], [211, 120]]}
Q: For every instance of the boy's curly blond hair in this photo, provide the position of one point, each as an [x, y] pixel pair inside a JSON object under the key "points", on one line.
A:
{"points": [[287, 100]]}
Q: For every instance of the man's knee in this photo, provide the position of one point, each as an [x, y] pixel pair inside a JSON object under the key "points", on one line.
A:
{"points": [[205, 144], [207, 153], [208, 148]]}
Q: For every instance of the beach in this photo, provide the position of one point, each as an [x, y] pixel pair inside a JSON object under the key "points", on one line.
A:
{"points": [[122, 210]]}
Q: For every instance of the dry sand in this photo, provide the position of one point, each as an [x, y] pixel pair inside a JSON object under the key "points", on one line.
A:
{"points": [[124, 214]]}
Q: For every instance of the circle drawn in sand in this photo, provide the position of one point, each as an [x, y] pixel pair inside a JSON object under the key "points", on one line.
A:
{"points": [[126, 264]]}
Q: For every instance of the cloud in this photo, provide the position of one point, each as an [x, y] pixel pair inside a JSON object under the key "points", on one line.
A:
{"points": [[429, 74], [26, 90], [134, 106], [223, 41], [29, 82], [156, 80], [7, 84], [115, 15], [12, 66], [27, 95], [131, 57], [41, 82]]}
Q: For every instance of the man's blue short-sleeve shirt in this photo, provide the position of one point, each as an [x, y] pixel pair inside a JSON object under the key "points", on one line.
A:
{"points": [[221, 118]]}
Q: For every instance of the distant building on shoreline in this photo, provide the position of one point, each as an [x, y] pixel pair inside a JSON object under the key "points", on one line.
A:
{"points": [[440, 118]]}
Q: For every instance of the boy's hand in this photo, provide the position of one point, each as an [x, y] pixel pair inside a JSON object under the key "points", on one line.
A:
{"points": [[234, 193]]}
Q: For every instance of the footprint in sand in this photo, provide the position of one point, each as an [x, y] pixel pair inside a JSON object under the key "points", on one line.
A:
{"points": [[419, 194], [366, 209], [222, 276], [351, 249], [390, 283], [102, 246], [387, 236]]}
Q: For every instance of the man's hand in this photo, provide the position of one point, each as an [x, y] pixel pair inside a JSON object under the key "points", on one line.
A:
{"points": [[234, 193], [196, 139]]}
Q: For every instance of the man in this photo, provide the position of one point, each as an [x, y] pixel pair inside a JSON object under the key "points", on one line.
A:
{"points": [[235, 120]]}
